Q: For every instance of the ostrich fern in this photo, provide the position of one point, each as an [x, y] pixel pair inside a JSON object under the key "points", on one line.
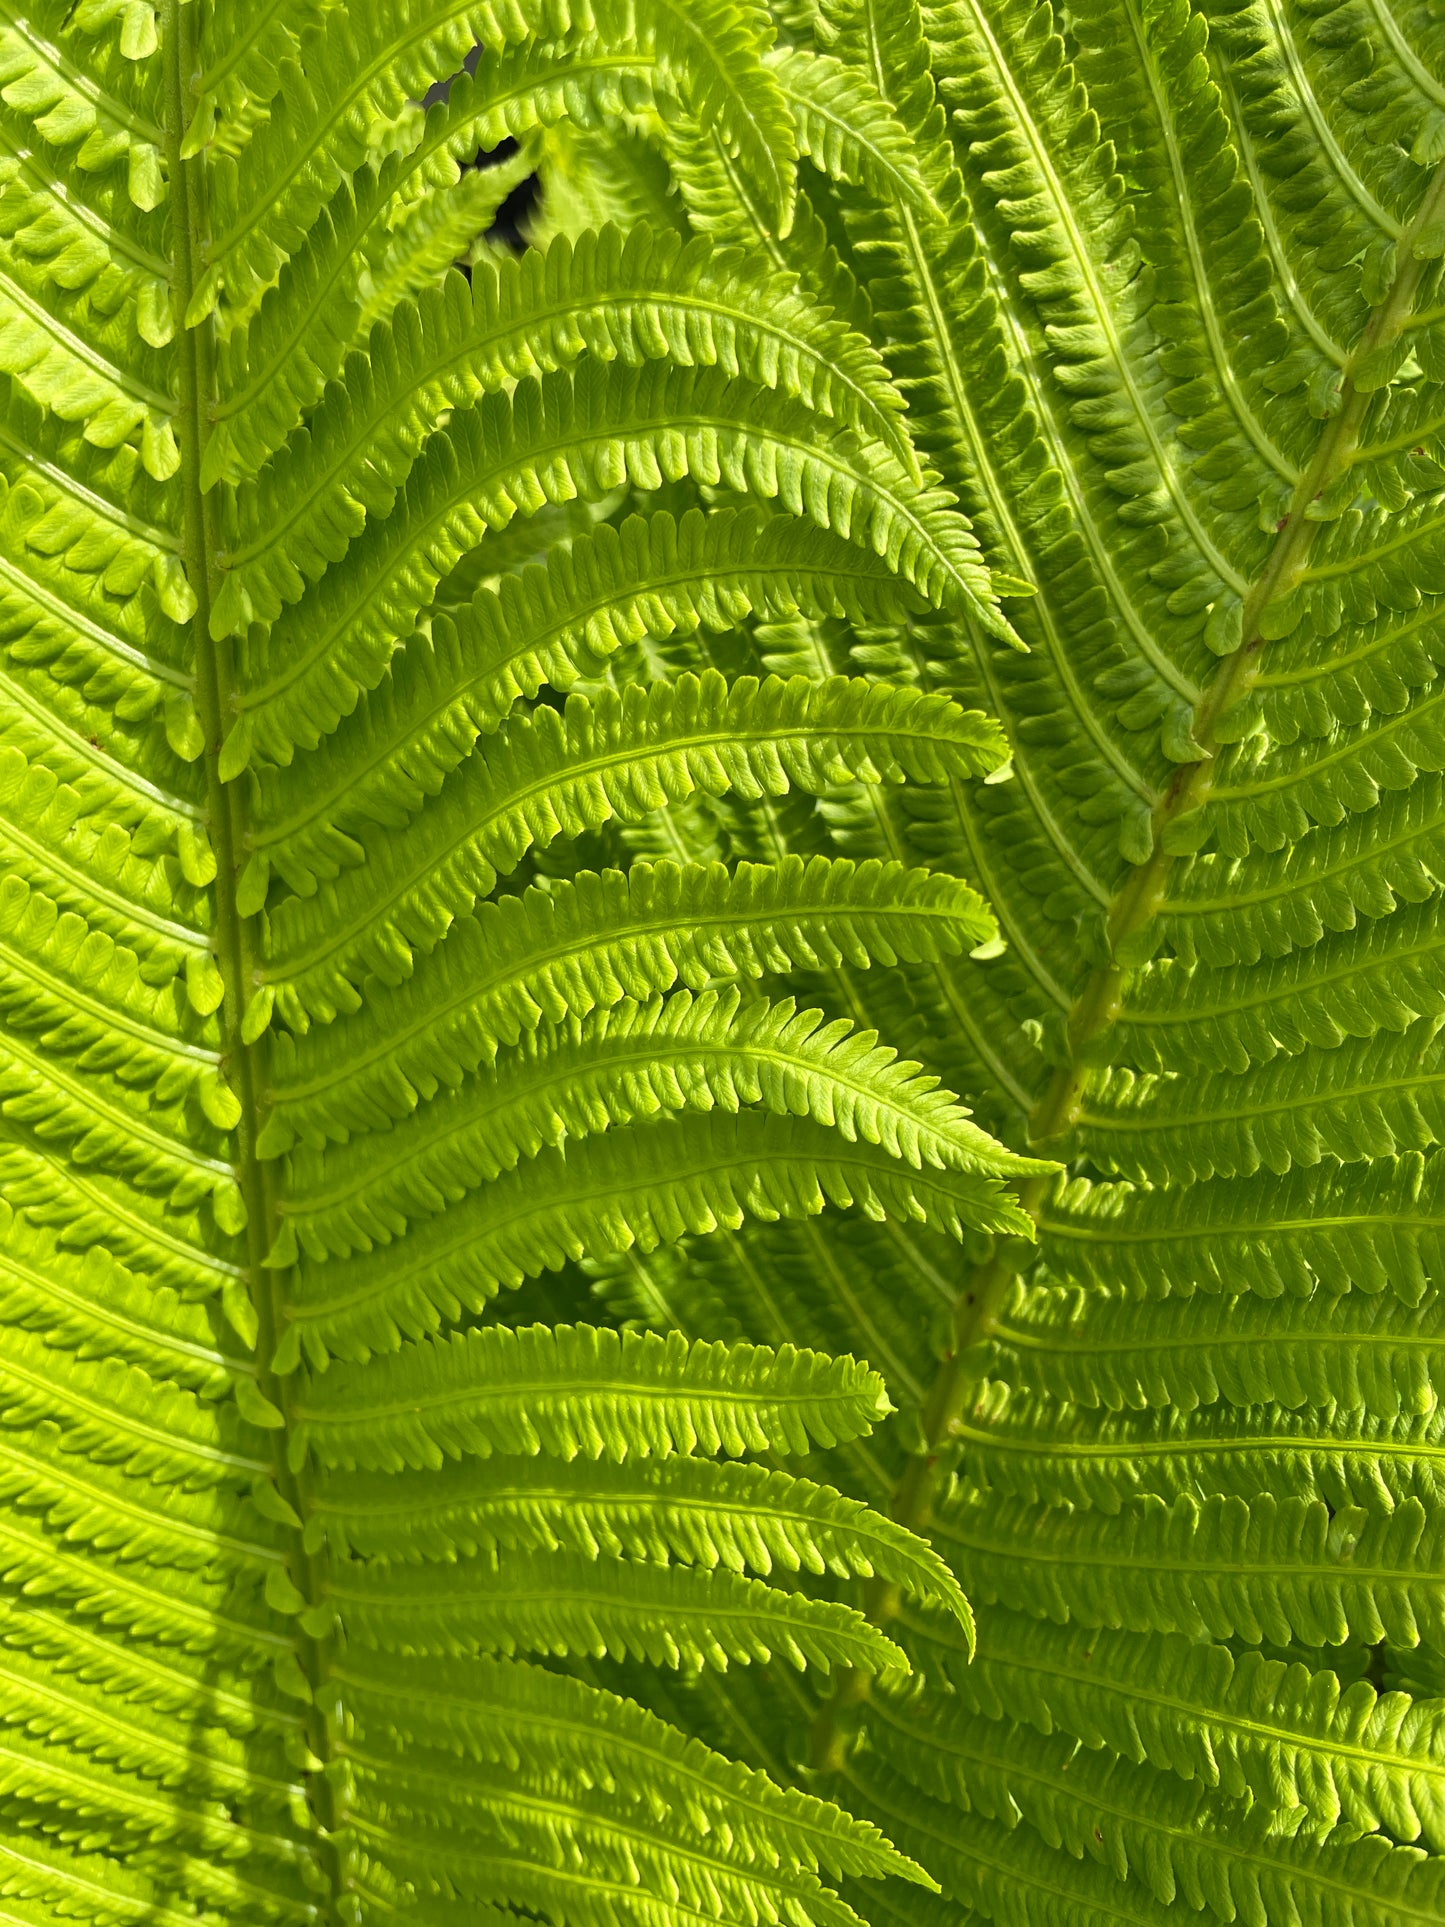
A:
{"points": [[440, 711]]}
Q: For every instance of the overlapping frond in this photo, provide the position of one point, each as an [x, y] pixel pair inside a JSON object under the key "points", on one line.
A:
{"points": [[1162, 284], [551, 625], [276, 363], [642, 1187], [505, 1714], [582, 946], [635, 298], [744, 1519], [621, 1065], [617, 758]]}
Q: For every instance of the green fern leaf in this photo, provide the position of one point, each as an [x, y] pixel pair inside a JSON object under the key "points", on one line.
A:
{"points": [[273, 731], [608, 1195], [620, 1066], [551, 626], [504, 1714], [742, 1519], [679, 1617]]}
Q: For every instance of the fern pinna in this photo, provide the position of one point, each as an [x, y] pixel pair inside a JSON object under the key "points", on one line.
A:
{"points": [[440, 709]]}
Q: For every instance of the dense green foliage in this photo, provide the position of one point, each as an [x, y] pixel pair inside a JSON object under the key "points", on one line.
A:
{"points": [[514, 1390]]}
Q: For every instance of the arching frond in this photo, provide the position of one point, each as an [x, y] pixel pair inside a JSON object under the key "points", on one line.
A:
{"points": [[742, 1519], [618, 1066], [585, 945], [615, 759], [504, 1713], [601, 1607]]}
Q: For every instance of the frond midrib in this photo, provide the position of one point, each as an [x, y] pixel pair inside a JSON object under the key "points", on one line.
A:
{"points": [[235, 938]]}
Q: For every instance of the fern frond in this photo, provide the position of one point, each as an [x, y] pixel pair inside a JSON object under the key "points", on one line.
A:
{"points": [[1059, 1456], [551, 953], [248, 50], [1373, 1100], [1268, 1570], [96, 1122], [342, 79], [551, 443], [612, 172], [85, 1300], [1290, 898], [585, 1390], [1373, 1354], [169, 1248], [93, 1403], [740, 1518], [544, 1828], [1377, 981], [277, 362], [560, 438], [1249, 1725], [446, 229], [847, 130], [432, 716], [1137, 1823], [1371, 1227], [620, 1066], [503, 1713], [355, 71], [632, 298]]}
